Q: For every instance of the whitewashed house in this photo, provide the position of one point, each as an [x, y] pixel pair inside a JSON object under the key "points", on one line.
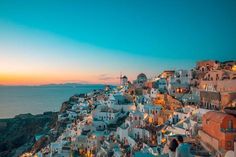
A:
{"points": [[106, 114]]}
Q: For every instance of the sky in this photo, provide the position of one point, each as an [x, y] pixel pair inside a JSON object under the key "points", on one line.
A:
{"points": [[94, 41]]}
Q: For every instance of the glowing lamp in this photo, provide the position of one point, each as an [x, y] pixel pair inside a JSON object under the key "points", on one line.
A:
{"points": [[163, 140], [234, 68]]}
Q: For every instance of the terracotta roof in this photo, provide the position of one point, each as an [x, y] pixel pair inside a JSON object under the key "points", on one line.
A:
{"points": [[217, 117]]}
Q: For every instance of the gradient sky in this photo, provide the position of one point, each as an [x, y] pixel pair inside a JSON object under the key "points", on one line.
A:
{"points": [[92, 41]]}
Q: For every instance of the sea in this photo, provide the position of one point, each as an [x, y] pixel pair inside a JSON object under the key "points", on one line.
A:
{"points": [[16, 100]]}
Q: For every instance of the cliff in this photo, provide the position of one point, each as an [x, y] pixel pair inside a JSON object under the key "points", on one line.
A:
{"points": [[18, 134], [30, 133]]}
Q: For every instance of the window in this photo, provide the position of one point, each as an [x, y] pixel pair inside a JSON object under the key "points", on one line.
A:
{"points": [[230, 124], [217, 76]]}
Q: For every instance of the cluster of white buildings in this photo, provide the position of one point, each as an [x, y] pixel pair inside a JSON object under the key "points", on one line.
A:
{"points": [[141, 118]]}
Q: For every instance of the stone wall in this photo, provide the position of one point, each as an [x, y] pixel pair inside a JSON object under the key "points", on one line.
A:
{"points": [[208, 139]]}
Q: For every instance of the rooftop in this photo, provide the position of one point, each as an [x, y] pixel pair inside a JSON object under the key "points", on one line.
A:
{"points": [[215, 116]]}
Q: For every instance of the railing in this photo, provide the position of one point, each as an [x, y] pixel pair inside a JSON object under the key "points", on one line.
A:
{"points": [[228, 130]]}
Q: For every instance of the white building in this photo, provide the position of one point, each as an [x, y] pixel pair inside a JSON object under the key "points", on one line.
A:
{"points": [[124, 80], [136, 118], [179, 84], [153, 93], [152, 109], [72, 115], [141, 78], [160, 84], [106, 114], [181, 77]]}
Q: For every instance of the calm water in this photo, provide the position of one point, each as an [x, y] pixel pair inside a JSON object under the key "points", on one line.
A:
{"points": [[37, 99]]}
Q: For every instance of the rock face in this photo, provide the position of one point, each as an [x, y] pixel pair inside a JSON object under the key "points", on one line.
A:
{"points": [[65, 106], [18, 134]]}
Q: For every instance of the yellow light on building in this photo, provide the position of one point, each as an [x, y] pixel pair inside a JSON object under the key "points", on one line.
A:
{"points": [[163, 140], [204, 86], [163, 131], [26, 155], [234, 68], [150, 120]]}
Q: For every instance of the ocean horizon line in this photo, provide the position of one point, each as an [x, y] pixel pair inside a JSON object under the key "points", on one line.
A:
{"points": [[58, 84]]}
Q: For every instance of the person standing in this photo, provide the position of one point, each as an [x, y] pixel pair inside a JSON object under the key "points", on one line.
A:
{"points": [[183, 149], [172, 148]]}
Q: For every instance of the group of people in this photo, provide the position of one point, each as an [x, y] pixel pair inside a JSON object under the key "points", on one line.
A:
{"points": [[177, 148]]}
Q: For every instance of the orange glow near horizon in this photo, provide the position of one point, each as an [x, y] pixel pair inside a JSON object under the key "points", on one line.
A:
{"points": [[36, 71], [36, 79], [40, 71]]}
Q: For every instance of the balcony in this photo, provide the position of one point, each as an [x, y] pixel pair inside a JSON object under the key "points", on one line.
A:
{"points": [[228, 130]]}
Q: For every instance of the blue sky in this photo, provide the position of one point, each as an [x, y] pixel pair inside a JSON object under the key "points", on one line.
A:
{"points": [[106, 37]]}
